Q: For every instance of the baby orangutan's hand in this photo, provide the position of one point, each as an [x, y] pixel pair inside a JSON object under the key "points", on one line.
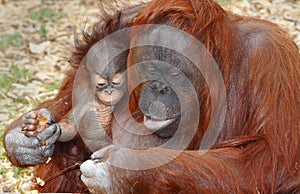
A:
{"points": [[34, 122]]}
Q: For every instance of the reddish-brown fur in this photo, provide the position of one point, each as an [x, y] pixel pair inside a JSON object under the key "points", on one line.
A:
{"points": [[258, 149]]}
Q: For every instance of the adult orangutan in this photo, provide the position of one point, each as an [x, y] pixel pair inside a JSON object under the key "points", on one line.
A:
{"points": [[257, 150], [173, 104]]}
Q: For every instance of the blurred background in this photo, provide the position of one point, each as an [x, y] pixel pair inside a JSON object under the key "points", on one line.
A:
{"points": [[36, 39]]}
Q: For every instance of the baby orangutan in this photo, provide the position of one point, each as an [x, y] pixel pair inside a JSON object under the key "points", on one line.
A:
{"points": [[98, 87], [109, 86]]}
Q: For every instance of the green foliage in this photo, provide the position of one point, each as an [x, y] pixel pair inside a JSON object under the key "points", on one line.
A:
{"points": [[3, 170], [22, 75], [56, 16], [44, 15], [53, 86], [223, 2], [1, 138], [42, 31], [15, 75], [7, 40], [4, 154], [20, 101], [17, 171]]}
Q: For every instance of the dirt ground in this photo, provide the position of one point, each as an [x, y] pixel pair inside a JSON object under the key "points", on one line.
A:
{"points": [[35, 39]]}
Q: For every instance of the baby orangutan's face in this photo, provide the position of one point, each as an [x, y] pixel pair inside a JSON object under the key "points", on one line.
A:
{"points": [[109, 90]]}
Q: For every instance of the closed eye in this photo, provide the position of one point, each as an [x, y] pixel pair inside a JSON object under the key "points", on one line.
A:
{"points": [[117, 80], [150, 69], [100, 82], [116, 83], [100, 85], [175, 73]]}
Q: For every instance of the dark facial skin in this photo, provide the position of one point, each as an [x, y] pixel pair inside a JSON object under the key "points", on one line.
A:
{"points": [[109, 90], [165, 94], [109, 81]]}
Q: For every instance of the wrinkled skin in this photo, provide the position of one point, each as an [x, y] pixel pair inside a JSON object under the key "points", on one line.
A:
{"points": [[32, 147], [94, 174]]}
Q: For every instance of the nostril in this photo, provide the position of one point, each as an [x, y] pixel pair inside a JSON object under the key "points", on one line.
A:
{"points": [[109, 90], [164, 90], [156, 86], [159, 87]]}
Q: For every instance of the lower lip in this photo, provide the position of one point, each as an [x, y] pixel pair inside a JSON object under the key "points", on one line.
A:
{"points": [[154, 125]]}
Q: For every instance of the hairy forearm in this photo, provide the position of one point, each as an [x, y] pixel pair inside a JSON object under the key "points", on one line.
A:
{"points": [[188, 172]]}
